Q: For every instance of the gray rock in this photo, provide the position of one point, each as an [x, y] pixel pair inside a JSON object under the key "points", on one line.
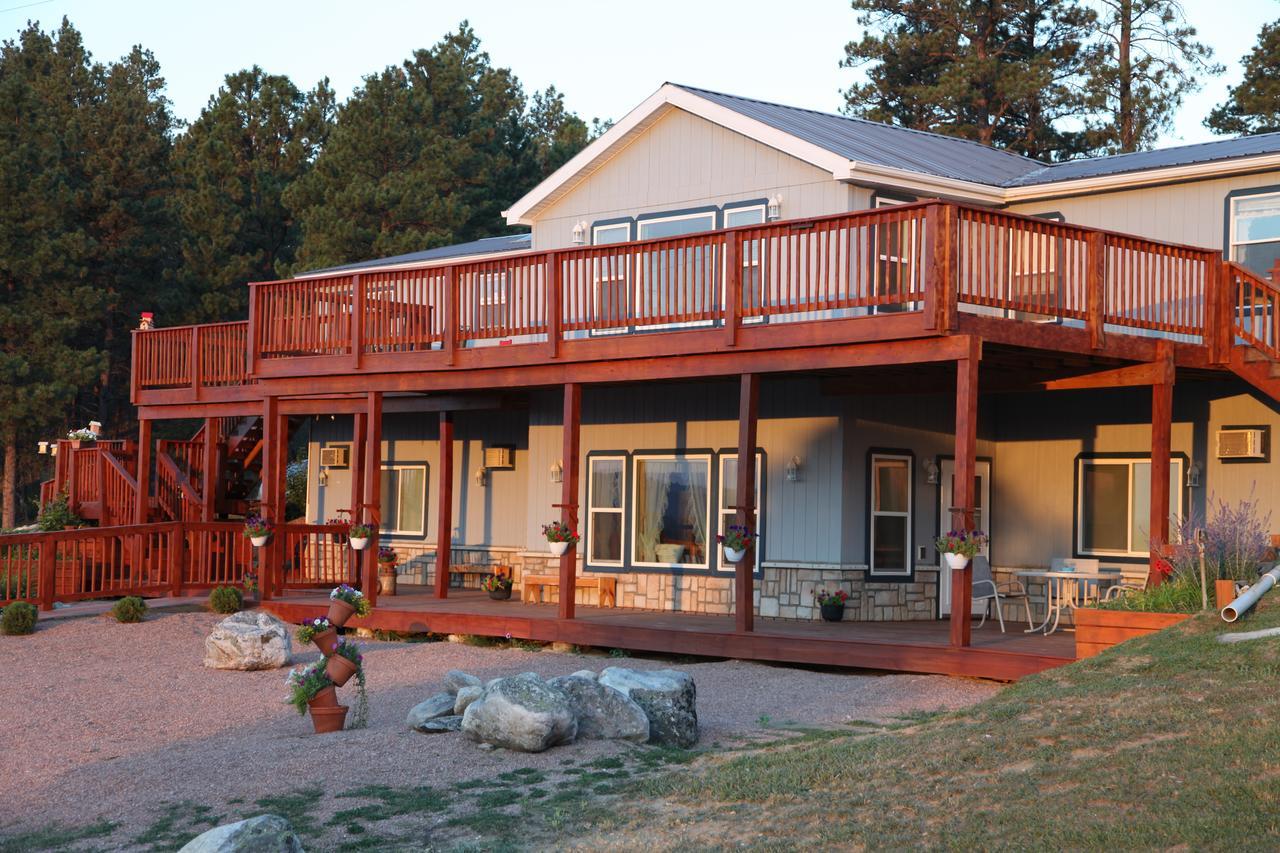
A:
{"points": [[439, 705], [668, 698], [465, 697], [266, 833], [451, 723], [586, 673], [456, 679], [603, 713], [521, 713], [247, 641]]}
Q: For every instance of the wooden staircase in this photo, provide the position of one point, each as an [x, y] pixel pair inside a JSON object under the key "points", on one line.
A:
{"points": [[1254, 330]]}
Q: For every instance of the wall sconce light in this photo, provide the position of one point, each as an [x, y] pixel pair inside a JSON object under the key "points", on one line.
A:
{"points": [[323, 479], [793, 470], [44, 448], [557, 472], [53, 449], [1193, 475], [580, 233], [95, 427], [931, 472], [482, 476], [774, 212]]}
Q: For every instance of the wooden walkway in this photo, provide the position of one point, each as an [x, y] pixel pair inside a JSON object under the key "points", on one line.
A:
{"points": [[894, 646]]}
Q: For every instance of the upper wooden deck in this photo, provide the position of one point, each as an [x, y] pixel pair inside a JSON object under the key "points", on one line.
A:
{"points": [[781, 296]]}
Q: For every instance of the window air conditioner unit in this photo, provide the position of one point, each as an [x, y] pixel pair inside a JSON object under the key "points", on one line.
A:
{"points": [[335, 457], [498, 457], [1242, 444]]}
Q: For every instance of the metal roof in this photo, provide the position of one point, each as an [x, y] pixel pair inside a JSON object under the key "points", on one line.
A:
{"points": [[483, 246], [963, 159]]}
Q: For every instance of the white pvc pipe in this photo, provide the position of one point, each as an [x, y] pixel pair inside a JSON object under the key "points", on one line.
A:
{"points": [[1250, 596]]}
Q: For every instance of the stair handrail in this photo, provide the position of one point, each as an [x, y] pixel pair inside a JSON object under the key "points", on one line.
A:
{"points": [[124, 482], [165, 465], [1254, 306]]}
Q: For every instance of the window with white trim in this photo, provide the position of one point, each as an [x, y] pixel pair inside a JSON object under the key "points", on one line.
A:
{"points": [[491, 291], [891, 518], [673, 281], [1255, 231], [1113, 505], [896, 245], [728, 514], [752, 268], [670, 510], [404, 499], [610, 274], [606, 490]]}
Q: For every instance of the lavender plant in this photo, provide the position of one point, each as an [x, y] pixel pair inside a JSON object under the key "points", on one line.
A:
{"points": [[1237, 538]]}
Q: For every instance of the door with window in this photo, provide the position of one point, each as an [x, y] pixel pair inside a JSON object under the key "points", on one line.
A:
{"points": [[981, 521]]}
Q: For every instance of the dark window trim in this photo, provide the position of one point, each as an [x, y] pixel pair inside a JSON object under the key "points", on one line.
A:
{"points": [[910, 575], [684, 211], [1226, 211], [1075, 499], [1266, 446], [617, 220], [763, 479], [585, 521], [739, 205], [889, 195]]}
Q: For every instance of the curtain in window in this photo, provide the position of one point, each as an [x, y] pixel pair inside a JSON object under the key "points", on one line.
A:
{"points": [[653, 481]]}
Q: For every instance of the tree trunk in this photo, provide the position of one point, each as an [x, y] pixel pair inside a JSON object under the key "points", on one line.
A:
{"points": [[1128, 120], [9, 498]]}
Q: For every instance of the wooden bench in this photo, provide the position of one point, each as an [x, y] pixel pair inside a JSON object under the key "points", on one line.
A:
{"points": [[534, 584], [458, 574]]}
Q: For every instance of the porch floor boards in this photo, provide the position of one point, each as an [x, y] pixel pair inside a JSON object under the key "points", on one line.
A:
{"points": [[920, 646]]}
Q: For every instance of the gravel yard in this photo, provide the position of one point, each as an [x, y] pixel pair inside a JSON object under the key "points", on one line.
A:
{"points": [[112, 721]]}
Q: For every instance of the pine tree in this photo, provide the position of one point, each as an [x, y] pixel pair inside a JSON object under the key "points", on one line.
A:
{"points": [[1000, 73], [1254, 105], [257, 135]]}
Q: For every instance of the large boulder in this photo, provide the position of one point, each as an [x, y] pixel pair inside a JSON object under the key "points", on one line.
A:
{"points": [[522, 713], [439, 705], [248, 640], [266, 833], [668, 698], [603, 713]]}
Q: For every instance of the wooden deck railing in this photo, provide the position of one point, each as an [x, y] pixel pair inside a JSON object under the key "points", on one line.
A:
{"points": [[168, 558], [931, 257], [1254, 310]]}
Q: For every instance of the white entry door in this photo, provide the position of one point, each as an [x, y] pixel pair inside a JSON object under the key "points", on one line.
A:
{"points": [[981, 521]]}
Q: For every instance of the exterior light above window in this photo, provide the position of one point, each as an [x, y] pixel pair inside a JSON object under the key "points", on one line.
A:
{"points": [[580, 233], [931, 472], [557, 472], [1193, 475], [793, 470], [775, 208]]}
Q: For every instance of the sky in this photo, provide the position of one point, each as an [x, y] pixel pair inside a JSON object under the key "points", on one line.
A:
{"points": [[605, 57]]}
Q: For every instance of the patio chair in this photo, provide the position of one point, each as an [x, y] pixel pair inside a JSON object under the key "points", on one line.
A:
{"points": [[986, 589]]}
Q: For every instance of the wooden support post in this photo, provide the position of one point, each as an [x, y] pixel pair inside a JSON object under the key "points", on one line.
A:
{"points": [[212, 476], [142, 509], [572, 422], [359, 424], [962, 495], [372, 496], [444, 511], [450, 326], [100, 463], [732, 288], [47, 568], [744, 572], [1161, 428], [933, 263], [555, 319], [270, 485], [945, 261], [356, 320], [195, 362], [178, 560], [1095, 288]]}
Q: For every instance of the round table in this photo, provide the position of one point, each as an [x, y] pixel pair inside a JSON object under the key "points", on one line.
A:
{"points": [[1066, 589]]}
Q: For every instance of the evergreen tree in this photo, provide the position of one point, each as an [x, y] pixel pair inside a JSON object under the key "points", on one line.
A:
{"points": [[1149, 60], [1254, 105], [258, 134], [426, 154], [1003, 73]]}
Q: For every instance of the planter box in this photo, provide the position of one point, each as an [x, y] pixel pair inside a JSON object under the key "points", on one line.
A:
{"points": [[1101, 629]]}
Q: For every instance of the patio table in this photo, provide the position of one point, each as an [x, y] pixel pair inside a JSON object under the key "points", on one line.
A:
{"points": [[1066, 589]]}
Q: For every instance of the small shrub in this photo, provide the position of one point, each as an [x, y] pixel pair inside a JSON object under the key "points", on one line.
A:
{"points": [[57, 514], [18, 618], [1176, 595], [130, 609], [226, 599]]}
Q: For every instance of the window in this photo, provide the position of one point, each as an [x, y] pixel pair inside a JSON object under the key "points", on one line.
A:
{"points": [[606, 486], [404, 498], [1113, 504], [1255, 231], [610, 275], [752, 278], [890, 527], [491, 293], [677, 224], [675, 280], [729, 497], [671, 504], [895, 247]]}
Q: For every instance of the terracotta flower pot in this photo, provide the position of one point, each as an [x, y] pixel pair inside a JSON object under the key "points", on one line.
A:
{"points": [[340, 611], [327, 641], [326, 720], [339, 670], [326, 698], [387, 582]]}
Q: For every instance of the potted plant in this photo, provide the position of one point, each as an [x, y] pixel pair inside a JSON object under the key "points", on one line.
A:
{"points": [[560, 536], [258, 529], [831, 604], [81, 437], [498, 586], [343, 663], [339, 536], [320, 632], [958, 547], [311, 690], [344, 602], [736, 540], [387, 561], [360, 534]]}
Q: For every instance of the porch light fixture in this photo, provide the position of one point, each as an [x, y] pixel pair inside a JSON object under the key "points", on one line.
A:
{"points": [[931, 472], [323, 479], [775, 208], [44, 448], [482, 476], [580, 233], [1193, 475], [95, 427], [793, 470], [557, 472]]}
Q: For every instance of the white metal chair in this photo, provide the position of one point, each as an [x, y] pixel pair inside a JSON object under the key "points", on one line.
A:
{"points": [[986, 589]]}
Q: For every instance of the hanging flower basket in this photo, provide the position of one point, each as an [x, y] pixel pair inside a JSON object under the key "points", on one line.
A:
{"points": [[560, 537], [258, 529], [958, 547], [955, 562], [732, 555], [735, 541]]}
